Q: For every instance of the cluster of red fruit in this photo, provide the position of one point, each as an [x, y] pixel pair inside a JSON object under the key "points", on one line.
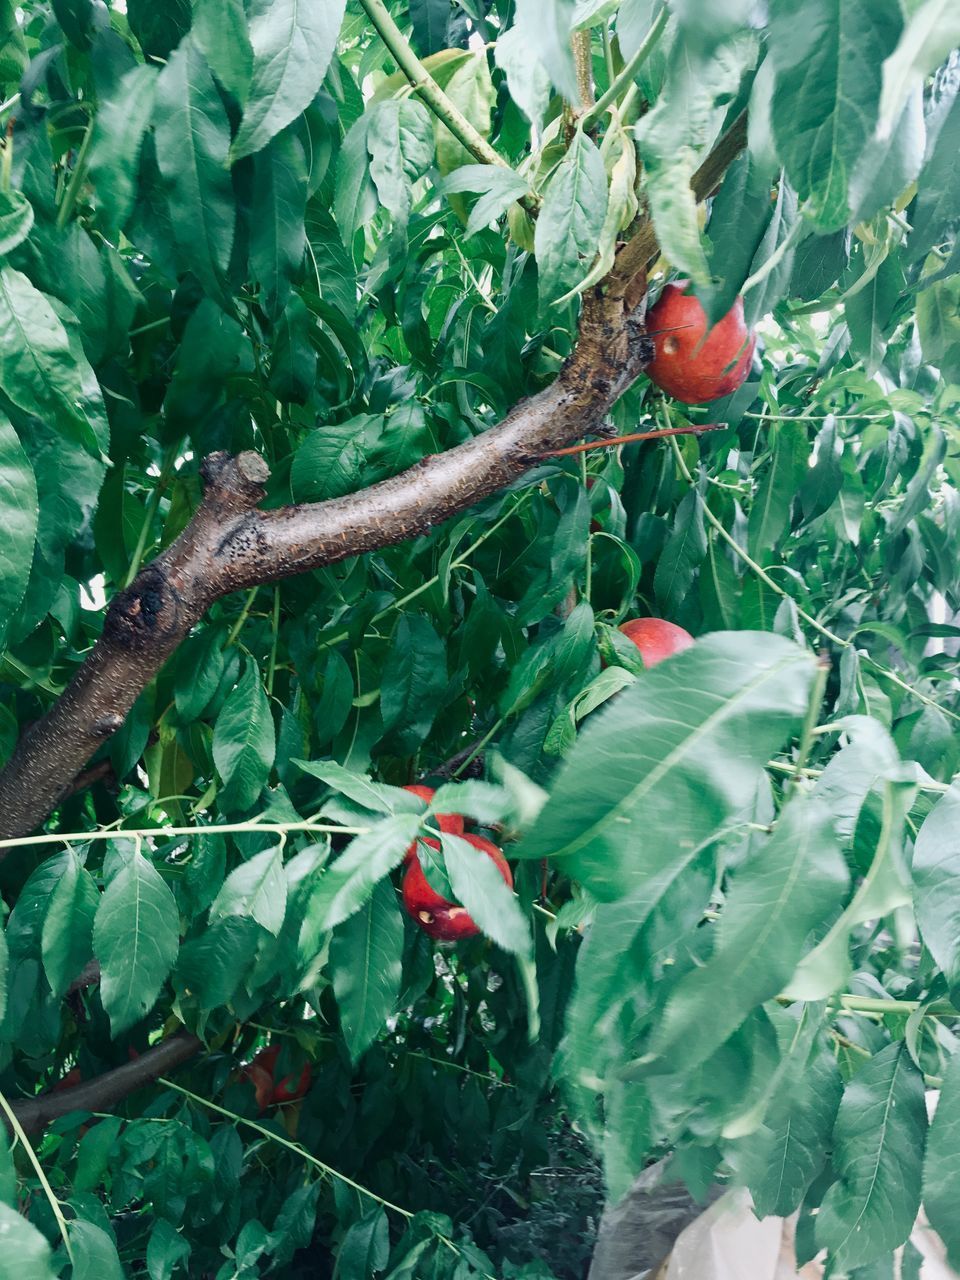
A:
{"points": [[656, 639]]}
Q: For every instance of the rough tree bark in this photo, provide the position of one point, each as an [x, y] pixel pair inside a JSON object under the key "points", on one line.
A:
{"points": [[230, 545]]}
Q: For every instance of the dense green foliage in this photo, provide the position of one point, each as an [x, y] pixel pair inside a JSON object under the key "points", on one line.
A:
{"points": [[734, 940]]}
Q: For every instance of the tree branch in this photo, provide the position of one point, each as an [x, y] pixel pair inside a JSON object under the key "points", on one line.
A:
{"points": [[105, 1091], [230, 545]]}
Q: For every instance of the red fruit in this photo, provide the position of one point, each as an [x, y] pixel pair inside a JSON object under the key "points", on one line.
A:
{"points": [[687, 364], [260, 1072], [451, 823], [656, 639], [435, 915]]}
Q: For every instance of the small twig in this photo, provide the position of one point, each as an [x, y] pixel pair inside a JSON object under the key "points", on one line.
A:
{"points": [[695, 429]]}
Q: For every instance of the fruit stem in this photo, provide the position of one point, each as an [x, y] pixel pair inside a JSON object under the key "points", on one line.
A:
{"points": [[694, 429]]}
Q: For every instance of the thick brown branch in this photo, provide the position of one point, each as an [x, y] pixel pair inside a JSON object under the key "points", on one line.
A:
{"points": [[104, 1092], [230, 544]]}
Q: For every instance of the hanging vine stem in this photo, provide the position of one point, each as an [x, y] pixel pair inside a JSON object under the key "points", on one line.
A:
{"points": [[774, 586]]}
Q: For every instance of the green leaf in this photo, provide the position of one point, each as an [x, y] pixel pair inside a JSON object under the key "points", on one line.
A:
{"points": [[784, 1157], [785, 889], [931, 33], [19, 511], [277, 234], [570, 219], [400, 141], [672, 759], [67, 936], [471, 90], [4, 968], [430, 20], [870, 312], [355, 196], [95, 1255], [527, 77], [778, 239], [936, 882], [365, 1248], [941, 1169], [329, 462], [498, 188], [826, 968], [26, 1254], [877, 1155], [738, 219], [770, 512], [118, 133], [219, 30], [16, 219], [672, 138], [213, 965], [828, 56], [39, 370], [361, 789], [682, 554], [414, 680], [293, 42], [545, 27], [192, 141], [346, 884], [136, 936], [938, 323], [478, 885], [256, 889], [365, 955], [823, 481], [166, 1249], [244, 744]]}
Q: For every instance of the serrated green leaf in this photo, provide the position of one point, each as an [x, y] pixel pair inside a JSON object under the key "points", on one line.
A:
{"points": [[936, 882], [136, 937], [346, 884], [477, 884], [293, 42], [784, 890], [256, 889], [95, 1255], [878, 1145], [671, 760], [828, 57], [570, 220], [941, 1166], [192, 141], [67, 935], [244, 745], [365, 955]]}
